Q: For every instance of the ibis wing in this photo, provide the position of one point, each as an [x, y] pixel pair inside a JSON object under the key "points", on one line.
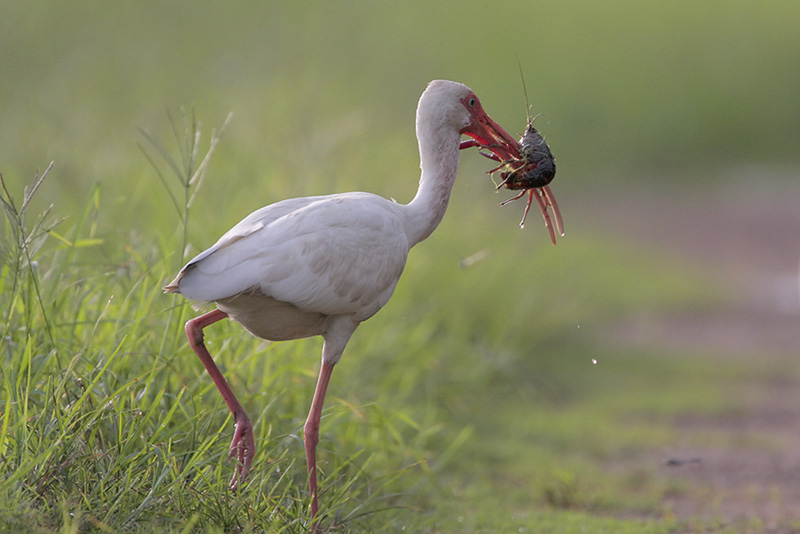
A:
{"points": [[340, 254]]}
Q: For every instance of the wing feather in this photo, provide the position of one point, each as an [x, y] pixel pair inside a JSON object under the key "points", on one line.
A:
{"points": [[338, 254]]}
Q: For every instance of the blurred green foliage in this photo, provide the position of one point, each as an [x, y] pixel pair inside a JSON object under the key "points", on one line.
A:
{"points": [[329, 89]]}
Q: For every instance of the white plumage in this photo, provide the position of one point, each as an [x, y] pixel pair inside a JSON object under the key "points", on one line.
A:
{"points": [[322, 265], [335, 255]]}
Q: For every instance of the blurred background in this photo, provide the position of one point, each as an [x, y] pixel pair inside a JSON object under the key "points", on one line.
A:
{"points": [[675, 128]]}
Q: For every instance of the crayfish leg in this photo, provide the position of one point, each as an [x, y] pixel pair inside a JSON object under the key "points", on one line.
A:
{"points": [[543, 202], [512, 199], [551, 200], [527, 206]]}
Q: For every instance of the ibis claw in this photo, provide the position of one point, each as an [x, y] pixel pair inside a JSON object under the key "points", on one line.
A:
{"points": [[243, 450]]}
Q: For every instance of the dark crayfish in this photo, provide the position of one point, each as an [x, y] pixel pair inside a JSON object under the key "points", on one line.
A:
{"points": [[526, 165], [537, 166]]}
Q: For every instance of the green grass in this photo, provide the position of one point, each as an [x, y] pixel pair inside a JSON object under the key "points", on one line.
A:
{"points": [[454, 410], [469, 404]]}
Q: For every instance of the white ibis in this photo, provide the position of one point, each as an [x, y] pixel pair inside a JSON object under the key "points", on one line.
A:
{"points": [[321, 265]]}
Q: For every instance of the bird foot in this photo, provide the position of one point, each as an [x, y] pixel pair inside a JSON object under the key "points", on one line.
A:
{"points": [[243, 449]]}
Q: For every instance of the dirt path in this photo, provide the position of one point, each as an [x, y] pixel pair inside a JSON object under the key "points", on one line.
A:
{"points": [[748, 237]]}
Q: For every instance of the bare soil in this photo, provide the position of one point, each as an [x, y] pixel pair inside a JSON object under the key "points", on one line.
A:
{"points": [[746, 236]]}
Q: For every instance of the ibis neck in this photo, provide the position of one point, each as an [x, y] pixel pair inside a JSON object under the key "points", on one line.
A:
{"points": [[438, 151]]}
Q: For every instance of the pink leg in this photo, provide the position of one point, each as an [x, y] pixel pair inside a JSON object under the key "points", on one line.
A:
{"points": [[243, 446], [311, 436]]}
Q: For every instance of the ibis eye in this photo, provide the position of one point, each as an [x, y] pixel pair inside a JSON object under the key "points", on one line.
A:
{"points": [[472, 102]]}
